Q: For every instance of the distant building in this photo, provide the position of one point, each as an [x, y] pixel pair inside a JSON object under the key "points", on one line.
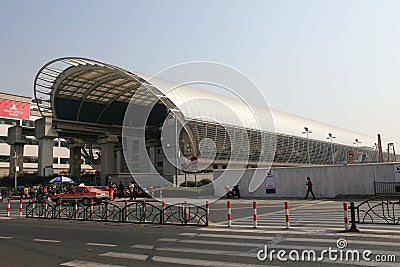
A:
{"points": [[20, 110]]}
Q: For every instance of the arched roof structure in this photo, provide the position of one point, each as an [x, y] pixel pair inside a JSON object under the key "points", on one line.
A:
{"points": [[88, 91]]}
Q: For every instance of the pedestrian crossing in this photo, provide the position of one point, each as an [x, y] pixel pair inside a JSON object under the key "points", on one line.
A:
{"points": [[240, 247], [309, 216]]}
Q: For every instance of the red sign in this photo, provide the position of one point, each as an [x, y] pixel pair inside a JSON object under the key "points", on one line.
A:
{"points": [[350, 154], [14, 109]]}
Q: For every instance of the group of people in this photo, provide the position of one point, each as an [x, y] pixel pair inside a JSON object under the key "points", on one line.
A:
{"points": [[122, 192], [36, 192]]}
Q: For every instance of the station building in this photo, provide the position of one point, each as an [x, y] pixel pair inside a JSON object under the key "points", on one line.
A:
{"points": [[85, 102]]}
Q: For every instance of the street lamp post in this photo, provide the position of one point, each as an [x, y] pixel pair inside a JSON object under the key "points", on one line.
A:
{"points": [[356, 143], [16, 169], [376, 152], [307, 131], [177, 150], [330, 136]]}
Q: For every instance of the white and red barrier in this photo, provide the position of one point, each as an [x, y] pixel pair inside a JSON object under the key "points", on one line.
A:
{"points": [[287, 215], [20, 207], [228, 205], [208, 210], [126, 210], [60, 207], [164, 205], [346, 218], [255, 214], [186, 212], [8, 208], [91, 211]]}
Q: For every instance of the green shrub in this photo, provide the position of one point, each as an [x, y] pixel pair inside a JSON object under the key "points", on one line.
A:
{"points": [[205, 181]]}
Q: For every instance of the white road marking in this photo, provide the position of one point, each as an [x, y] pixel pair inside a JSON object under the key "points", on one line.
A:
{"points": [[196, 262], [47, 240], [188, 234], [249, 255], [77, 263], [122, 255], [178, 261], [221, 243], [297, 230], [140, 246], [101, 244], [197, 251], [299, 239], [6, 237]]}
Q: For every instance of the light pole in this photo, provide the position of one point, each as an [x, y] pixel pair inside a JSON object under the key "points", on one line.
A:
{"points": [[307, 131], [16, 169], [376, 152], [356, 143], [330, 136], [175, 112]]}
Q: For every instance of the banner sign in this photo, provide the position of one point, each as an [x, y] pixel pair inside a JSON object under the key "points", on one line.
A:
{"points": [[397, 176], [270, 182], [14, 109]]}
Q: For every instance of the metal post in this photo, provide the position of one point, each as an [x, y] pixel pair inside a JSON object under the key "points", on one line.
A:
{"points": [[15, 169], [330, 136], [333, 155], [307, 131], [353, 227], [176, 148]]}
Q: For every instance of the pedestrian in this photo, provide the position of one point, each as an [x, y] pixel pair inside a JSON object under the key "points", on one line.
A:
{"points": [[309, 188], [121, 190], [132, 192]]}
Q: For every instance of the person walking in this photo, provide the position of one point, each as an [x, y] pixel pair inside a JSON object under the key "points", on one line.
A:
{"points": [[309, 188], [132, 191]]}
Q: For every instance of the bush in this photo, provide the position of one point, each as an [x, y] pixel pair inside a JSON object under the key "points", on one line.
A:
{"points": [[196, 184], [188, 184], [205, 181]]}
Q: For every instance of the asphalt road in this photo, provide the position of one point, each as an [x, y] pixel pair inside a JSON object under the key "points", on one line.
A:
{"points": [[316, 225]]}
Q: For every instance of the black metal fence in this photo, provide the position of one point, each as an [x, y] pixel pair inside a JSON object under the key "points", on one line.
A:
{"points": [[135, 212], [376, 210], [386, 188]]}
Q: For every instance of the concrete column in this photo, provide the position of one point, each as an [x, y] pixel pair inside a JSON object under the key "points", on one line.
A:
{"points": [[75, 160], [119, 159], [45, 154], [45, 132], [16, 140], [107, 144]]}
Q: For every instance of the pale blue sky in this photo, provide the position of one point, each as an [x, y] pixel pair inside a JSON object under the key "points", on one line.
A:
{"points": [[331, 61]]}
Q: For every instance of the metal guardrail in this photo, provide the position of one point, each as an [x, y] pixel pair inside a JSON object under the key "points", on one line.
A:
{"points": [[376, 210], [185, 213], [386, 188], [136, 212]]}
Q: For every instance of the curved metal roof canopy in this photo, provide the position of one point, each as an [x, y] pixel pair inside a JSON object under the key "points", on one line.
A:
{"points": [[85, 90]]}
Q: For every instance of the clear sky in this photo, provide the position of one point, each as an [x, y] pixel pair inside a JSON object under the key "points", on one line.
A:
{"points": [[336, 62]]}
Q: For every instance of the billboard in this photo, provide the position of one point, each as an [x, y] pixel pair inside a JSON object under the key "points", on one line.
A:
{"points": [[397, 177], [14, 109], [270, 182]]}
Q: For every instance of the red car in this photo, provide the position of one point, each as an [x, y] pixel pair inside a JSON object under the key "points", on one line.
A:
{"points": [[82, 193]]}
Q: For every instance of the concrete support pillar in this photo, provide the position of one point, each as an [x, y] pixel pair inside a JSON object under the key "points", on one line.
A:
{"points": [[45, 132], [75, 160], [45, 155], [16, 140], [107, 144], [119, 159]]}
